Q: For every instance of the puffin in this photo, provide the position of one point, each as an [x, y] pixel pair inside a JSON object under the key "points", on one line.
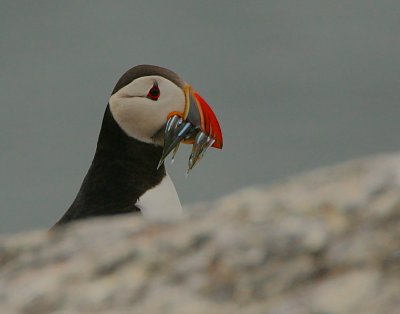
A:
{"points": [[150, 112]]}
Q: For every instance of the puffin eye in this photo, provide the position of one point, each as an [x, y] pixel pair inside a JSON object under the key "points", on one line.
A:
{"points": [[154, 92]]}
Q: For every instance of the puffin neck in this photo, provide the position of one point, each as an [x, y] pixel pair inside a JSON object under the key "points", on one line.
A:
{"points": [[115, 145], [122, 169]]}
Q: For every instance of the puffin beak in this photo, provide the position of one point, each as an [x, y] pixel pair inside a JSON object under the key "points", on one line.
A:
{"points": [[197, 125]]}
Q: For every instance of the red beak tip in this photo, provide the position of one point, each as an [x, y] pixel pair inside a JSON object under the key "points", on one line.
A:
{"points": [[209, 121], [217, 144]]}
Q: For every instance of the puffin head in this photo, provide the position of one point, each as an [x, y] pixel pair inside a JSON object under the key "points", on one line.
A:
{"points": [[154, 105]]}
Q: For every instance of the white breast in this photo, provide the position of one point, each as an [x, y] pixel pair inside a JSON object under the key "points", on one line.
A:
{"points": [[161, 202]]}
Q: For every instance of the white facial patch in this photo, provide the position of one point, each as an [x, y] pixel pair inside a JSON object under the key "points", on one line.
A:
{"points": [[141, 117]]}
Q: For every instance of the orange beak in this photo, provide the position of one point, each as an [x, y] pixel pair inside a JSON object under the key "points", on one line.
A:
{"points": [[200, 114], [197, 125]]}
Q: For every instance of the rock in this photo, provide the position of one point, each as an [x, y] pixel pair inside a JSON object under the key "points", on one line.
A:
{"points": [[327, 241]]}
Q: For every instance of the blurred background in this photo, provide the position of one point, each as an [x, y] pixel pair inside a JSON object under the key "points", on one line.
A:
{"points": [[295, 84]]}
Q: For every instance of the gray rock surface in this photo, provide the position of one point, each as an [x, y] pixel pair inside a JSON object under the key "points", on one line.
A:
{"points": [[324, 242]]}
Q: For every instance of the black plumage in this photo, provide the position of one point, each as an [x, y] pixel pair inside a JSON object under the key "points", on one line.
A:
{"points": [[123, 168]]}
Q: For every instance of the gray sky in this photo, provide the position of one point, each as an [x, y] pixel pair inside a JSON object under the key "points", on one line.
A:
{"points": [[295, 84]]}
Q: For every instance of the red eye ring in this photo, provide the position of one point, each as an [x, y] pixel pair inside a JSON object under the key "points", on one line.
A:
{"points": [[154, 92]]}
